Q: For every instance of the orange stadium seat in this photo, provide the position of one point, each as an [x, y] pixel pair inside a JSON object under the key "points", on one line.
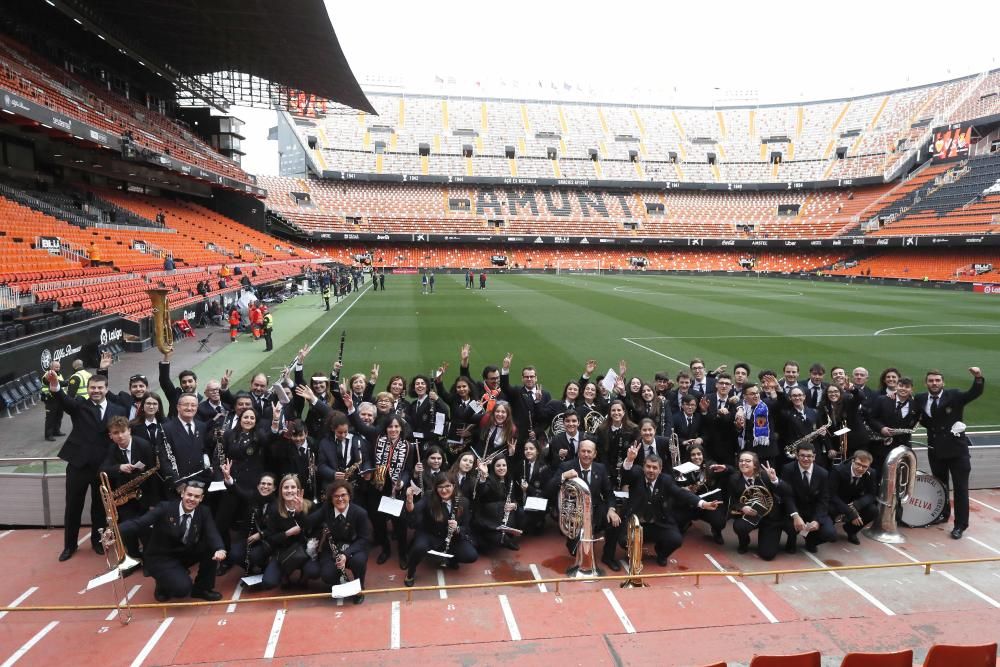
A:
{"points": [[897, 659], [811, 659], [943, 655]]}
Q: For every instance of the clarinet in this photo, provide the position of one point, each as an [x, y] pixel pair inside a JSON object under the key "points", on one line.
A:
{"points": [[311, 463], [340, 354], [451, 531], [169, 451], [253, 529], [506, 512], [336, 552]]}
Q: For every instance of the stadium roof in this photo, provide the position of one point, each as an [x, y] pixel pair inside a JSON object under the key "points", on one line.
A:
{"points": [[291, 43]]}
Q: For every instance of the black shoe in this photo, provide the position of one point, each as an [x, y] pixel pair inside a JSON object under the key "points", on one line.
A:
{"points": [[811, 548], [67, 554], [359, 598], [661, 561], [612, 564], [790, 547], [717, 537], [211, 596], [508, 543], [59, 433], [452, 564], [743, 548], [956, 534], [223, 568], [160, 596], [853, 538], [383, 557], [50, 438], [402, 562], [98, 548], [409, 581], [940, 519]]}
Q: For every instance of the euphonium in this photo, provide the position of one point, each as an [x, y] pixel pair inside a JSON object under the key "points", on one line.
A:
{"points": [[163, 330], [633, 533], [899, 475]]}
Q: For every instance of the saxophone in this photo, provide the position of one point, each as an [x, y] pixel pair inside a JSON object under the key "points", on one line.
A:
{"points": [[131, 489], [791, 449]]}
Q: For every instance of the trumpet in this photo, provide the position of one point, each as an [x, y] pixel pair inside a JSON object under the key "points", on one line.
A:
{"points": [[675, 450]]}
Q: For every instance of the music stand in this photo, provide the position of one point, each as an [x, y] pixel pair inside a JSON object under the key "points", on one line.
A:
{"points": [[203, 343]]}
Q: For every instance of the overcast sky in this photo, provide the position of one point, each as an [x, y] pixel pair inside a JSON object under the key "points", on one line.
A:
{"points": [[683, 53]]}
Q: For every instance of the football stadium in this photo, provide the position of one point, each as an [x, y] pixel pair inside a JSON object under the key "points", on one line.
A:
{"points": [[477, 372]]}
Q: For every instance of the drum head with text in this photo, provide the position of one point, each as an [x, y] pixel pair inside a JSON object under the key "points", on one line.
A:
{"points": [[926, 501]]}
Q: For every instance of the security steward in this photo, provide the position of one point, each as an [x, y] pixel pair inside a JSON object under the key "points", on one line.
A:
{"points": [[53, 408]]}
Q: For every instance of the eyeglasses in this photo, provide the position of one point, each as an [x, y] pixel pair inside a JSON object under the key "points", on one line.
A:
{"points": [[807, 456], [341, 495], [138, 378]]}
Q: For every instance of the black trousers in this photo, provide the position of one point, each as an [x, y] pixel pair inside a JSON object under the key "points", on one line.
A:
{"points": [[768, 536], [666, 539], [826, 532], [131, 510], [171, 573], [325, 568], [462, 549], [959, 468], [380, 526], [868, 515], [237, 554], [53, 417], [78, 480], [269, 344]]}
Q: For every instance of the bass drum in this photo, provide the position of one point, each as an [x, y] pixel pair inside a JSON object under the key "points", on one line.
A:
{"points": [[926, 503]]}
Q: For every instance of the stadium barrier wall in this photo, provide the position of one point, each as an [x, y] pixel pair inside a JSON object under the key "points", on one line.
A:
{"points": [[82, 340]]}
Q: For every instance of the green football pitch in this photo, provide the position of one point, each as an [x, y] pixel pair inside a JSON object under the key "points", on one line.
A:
{"points": [[655, 323]]}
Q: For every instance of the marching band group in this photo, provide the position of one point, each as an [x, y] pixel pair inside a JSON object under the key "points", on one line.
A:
{"points": [[299, 480]]}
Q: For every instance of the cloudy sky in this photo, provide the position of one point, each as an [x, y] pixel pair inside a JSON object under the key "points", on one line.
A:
{"points": [[705, 52]]}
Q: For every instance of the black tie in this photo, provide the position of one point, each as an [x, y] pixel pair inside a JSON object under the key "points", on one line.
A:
{"points": [[652, 489], [815, 395], [185, 525], [190, 429], [805, 477], [934, 406], [218, 409], [854, 481], [586, 476], [151, 429], [689, 422], [899, 408], [572, 445]]}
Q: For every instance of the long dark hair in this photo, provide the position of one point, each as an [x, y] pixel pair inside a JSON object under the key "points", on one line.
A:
{"points": [[435, 503]]}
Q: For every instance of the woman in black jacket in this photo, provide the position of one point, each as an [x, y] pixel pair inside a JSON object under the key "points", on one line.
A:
{"points": [[441, 521]]}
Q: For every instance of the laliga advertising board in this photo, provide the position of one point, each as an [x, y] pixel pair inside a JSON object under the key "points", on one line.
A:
{"points": [[66, 344]]}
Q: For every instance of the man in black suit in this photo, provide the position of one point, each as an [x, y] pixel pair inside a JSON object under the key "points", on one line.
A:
{"points": [[808, 501], [688, 426], [605, 513], [940, 410], [815, 387], [83, 452], [683, 387], [790, 379], [564, 446], [652, 496], [717, 418], [526, 400], [129, 458], [888, 413], [187, 378], [214, 405], [854, 493], [796, 419], [701, 383], [131, 400], [183, 533], [189, 442]]}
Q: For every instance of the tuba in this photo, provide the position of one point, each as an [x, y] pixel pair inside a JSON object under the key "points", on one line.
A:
{"points": [[576, 523], [163, 330], [898, 477], [633, 532]]}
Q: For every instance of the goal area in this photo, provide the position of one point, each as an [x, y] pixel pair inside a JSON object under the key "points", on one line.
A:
{"points": [[579, 267]]}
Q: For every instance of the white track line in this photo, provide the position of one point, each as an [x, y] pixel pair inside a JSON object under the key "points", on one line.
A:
{"points": [[980, 502], [441, 582], [537, 575], [21, 598], [79, 542], [816, 335], [746, 591], [151, 644], [394, 632], [948, 575], [622, 616], [5, 533], [983, 544], [649, 349], [236, 596], [857, 589], [508, 615], [272, 639], [334, 323], [128, 597], [19, 653]]}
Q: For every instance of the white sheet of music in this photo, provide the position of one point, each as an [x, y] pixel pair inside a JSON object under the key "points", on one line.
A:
{"points": [[532, 503], [842, 431], [216, 486], [252, 580], [610, 378], [350, 589], [686, 467], [438, 423], [110, 575], [390, 506]]}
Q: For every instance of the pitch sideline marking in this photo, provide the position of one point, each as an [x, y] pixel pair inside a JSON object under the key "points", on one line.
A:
{"points": [[649, 349], [925, 326]]}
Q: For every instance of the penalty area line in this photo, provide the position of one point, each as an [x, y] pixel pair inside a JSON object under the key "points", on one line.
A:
{"points": [[649, 349]]}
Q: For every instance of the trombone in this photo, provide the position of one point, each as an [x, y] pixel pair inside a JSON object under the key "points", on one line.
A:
{"points": [[115, 555]]}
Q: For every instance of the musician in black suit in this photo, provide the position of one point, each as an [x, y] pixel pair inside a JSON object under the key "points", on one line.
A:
{"points": [[605, 512], [131, 400], [422, 413], [189, 445], [751, 516], [796, 419], [809, 500], [149, 424], [346, 526], [213, 405], [83, 452], [947, 452], [127, 459], [790, 379], [526, 400], [650, 443], [291, 453], [688, 426], [888, 413], [563, 447], [756, 421], [854, 493], [183, 533], [533, 475], [339, 450], [188, 383], [441, 522], [652, 497], [815, 387], [717, 417]]}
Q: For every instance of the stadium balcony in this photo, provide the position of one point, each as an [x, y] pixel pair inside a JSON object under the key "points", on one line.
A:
{"points": [[926, 265], [28, 75]]}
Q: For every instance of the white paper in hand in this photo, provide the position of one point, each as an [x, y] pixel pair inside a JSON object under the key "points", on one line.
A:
{"points": [[216, 486], [350, 589], [390, 506], [533, 504], [280, 392], [439, 423], [686, 467], [610, 378], [842, 431], [476, 406]]}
